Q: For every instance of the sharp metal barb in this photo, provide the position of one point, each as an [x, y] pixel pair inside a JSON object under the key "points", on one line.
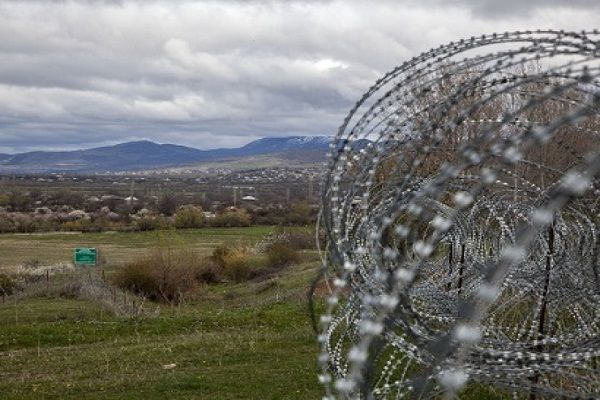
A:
{"points": [[461, 217]]}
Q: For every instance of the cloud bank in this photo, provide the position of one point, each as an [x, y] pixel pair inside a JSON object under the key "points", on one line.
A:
{"points": [[210, 74]]}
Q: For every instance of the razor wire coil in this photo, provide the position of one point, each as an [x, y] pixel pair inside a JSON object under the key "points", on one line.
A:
{"points": [[460, 210]]}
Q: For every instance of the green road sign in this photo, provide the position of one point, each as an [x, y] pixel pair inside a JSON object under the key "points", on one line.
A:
{"points": [[85, 256]]}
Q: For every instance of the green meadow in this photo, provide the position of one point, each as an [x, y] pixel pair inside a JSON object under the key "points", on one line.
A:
{"points": [[250, 340]]}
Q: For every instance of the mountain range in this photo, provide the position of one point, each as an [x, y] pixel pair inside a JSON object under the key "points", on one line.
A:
{"points": [[144, 155]]}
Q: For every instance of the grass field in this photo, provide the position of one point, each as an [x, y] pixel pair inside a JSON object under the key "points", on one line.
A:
{"points": [[116, 247], [251, 340]]}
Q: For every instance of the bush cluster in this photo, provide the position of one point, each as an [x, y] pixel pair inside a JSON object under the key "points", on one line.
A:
{"points": [[166, 275], [7, 285], [189, 217], [281, 255], [186, 217], [298, 214], [231, 218], [237, 263], [170, 276]]}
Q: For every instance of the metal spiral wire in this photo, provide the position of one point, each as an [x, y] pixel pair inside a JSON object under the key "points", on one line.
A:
{"points": [[460, 209]]}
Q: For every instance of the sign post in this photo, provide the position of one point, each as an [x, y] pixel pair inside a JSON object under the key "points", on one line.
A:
{"points": [[85, 256]]}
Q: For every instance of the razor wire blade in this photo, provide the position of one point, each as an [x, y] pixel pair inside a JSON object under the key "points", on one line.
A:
{"points": [[461, 215]]}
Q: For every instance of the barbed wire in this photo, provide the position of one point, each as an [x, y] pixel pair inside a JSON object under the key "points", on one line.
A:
{"points": [[461, 216]]}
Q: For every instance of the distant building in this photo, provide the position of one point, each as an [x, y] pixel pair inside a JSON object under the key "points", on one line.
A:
{"points": [[77, 214], [43, 210]]}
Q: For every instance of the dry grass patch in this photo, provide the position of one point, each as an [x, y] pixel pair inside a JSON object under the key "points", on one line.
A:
{"points": [[166, 275]]}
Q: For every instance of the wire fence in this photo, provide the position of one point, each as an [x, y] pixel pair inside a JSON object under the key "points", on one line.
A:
{"points": [[461, 215]]}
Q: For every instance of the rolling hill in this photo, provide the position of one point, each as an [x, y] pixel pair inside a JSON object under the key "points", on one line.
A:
{"points": [[142, 155]]}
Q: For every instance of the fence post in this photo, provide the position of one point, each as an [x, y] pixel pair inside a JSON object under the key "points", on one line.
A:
{"points": [[462, 268], [544, 305], [450, 261]]}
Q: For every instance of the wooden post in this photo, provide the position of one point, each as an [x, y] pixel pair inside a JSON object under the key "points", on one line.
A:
{"points": [[450, 261], [544, 304], [462, 268], [47, 281]]}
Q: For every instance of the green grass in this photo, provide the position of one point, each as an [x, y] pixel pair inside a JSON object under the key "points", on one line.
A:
{"points": [[251, 340], [55, 348], [117, 247]]}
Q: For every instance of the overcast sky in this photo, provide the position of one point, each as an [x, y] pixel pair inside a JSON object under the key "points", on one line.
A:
{"points": [[77, 74]]}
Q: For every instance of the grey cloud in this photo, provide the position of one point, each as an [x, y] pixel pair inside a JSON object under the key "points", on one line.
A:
{"points": [[208, 74]]}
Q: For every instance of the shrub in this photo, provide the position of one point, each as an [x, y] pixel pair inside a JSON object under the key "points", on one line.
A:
{"points": [[237, 263], [67, 197], [71, 289], [151, 223], [18, 201], [24, 223], [230, 260], [142, 277], [166, 275], [208, 272], [88, 225], [300, 214], [281, 255], [299, 240], [189, 217], [6, 224], [219, 254], [45, 224], [232, 218], [7, 285], [167, 204], [82, 225]]}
